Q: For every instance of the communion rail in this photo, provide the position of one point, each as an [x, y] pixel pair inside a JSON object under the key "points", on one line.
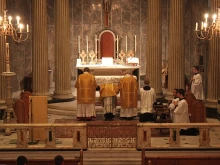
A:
{"points": [[141, 136]]}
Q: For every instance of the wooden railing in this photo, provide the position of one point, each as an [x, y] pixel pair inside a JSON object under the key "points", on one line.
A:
{"points": [[142, 138], [49, 161], [179, 160]]}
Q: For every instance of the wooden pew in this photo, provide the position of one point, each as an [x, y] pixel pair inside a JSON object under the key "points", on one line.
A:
{"points": [[196, 109], [73, 161], [179, 160], [21, 107]]}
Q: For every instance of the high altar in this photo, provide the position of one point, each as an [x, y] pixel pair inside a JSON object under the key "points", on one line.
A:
{"points": [[105, 62]]}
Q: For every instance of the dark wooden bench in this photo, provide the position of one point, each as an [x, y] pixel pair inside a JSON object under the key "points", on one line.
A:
{"points": [[179, 160], [73, 161]]}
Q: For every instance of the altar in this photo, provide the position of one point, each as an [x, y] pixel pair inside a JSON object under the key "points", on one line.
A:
{"points": [[114, 73]]}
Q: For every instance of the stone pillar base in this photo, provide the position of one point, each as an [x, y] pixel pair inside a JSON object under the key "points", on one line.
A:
{"points": [[63, 96], [212, 113], [209, 103]]}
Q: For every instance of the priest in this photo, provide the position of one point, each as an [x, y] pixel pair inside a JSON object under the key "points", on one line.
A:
{"points": [[86, 90], [108, 96], [128, 88]]}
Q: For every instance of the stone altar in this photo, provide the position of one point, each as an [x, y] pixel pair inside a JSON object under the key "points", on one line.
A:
{"points": [[114, 72]]}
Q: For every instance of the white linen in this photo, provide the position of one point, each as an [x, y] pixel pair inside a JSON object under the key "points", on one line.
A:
{"points": [[148, 97], [197, 87]]}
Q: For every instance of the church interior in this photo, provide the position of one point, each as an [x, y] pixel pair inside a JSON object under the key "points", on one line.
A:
{"points": [[42, 58]]}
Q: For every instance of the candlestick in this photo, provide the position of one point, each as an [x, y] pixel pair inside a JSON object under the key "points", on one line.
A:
{"points": [[87, 44], [79, 44], [95, 44], [126, 46], [135, 43], [7, 58], [117, 43]]}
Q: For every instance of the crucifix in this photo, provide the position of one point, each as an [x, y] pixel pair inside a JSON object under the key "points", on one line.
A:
{"points": [[107, 11]]}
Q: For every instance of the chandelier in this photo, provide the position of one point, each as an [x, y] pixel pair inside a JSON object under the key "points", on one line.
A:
{"points": [[209, 29], [16, 31]]}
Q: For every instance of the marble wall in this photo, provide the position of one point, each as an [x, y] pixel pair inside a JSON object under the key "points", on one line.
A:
{"points": [[128, 18]]}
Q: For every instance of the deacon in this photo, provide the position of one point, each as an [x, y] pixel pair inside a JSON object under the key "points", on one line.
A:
{"points": [[108, 95], [128, 88], [86, 90], [148, 98], [196, 86]]}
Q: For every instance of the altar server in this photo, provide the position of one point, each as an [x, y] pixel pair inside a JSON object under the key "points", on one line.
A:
{"points": [[172, 107], [181, 114], [108, 95], [196, 86], [86, 90], [128, 88], [148, 98]]}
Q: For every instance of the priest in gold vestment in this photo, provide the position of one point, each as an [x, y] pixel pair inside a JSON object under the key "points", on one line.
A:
{"points": [[128, 88], [108, 95], [86, 90]]}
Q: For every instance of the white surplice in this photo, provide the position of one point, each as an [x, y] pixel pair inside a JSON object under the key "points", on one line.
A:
{"points": [[181, 114], [148, 97], [197, 87], [172, 107]]}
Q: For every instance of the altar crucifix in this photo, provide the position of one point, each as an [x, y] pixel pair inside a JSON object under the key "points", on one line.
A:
{"points": [[107, 12]]}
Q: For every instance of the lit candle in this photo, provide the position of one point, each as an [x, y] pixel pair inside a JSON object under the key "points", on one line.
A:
{"points": [[79, 44], [27, 28], [95, 43], [135, 43], [126, 46], [196, 26], [18, 19], [9, 19], [202, 26], [87, 44], [7, 58], [0, 20], [21, 27], [214, 18], [206, 17]]}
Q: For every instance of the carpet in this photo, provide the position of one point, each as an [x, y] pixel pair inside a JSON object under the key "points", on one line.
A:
{"points": [[109, 129]]}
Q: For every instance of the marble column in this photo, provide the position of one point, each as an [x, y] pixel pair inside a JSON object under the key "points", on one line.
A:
{"points": [[62, 51], [40, 48], [176, 47], [154, 46], [2, 60], [213, 70]]}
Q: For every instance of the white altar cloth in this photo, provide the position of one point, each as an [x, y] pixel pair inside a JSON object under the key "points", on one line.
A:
{"points": [[113, 72]]}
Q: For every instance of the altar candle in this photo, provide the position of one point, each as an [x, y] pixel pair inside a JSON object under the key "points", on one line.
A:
{"points": [[7, 58], [79, 44], [117, 44], [87, 44], [135, 43], [27, 28], [95, 43], [126, 46]]}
